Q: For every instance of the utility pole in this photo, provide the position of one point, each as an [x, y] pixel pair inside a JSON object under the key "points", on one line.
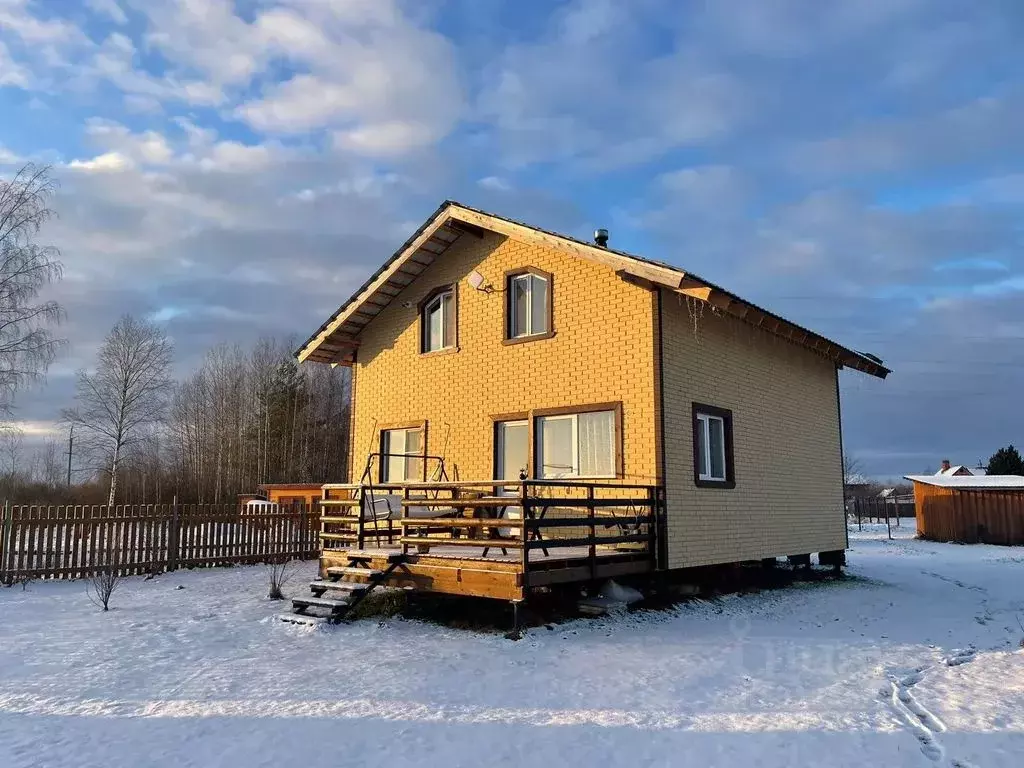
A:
{"points": [[71, 443]]}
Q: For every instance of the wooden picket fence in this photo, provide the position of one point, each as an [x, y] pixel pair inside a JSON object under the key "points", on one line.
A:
{"points": [[73, 542]]}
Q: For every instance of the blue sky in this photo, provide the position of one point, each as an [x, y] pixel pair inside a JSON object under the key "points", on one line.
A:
{"points": [[856, 166]]}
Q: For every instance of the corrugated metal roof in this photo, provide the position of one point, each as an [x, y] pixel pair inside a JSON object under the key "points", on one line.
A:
{"points": [[970, 482]]}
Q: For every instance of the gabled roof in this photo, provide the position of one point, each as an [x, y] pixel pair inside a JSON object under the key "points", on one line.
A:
{"points": [[969, 482], [953, 470], [337, 339]]}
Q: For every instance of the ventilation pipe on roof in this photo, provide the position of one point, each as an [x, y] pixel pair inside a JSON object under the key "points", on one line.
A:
{"points": [[601, 237]]}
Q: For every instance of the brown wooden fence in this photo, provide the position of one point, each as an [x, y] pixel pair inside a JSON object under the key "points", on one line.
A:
{"points": [[68, 542], [973, 517]]}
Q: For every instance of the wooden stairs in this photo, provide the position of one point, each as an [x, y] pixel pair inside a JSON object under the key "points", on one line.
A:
{"points": [[344, 588]]}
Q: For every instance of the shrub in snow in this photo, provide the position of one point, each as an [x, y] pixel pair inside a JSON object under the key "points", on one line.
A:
{"points": [[101, 586], [279, 574]]}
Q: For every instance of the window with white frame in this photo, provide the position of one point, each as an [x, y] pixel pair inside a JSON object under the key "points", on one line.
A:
{"points": [[529, 305], [712, 446], [575, 445], [438, 318], [401, 454]]}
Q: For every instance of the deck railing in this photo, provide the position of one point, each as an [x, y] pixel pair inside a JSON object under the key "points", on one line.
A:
{"points": [[531, 520]]}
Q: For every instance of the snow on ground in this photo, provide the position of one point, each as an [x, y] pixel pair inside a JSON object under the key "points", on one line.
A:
{"points": [[914, 662]]}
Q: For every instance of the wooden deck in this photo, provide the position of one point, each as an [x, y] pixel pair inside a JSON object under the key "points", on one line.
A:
{"points": [[494, 539]]}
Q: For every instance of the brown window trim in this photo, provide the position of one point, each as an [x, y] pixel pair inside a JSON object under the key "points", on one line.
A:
{"points": [[433, 294], [730, 469], [614, 406], [506, 335], [381, 429]]}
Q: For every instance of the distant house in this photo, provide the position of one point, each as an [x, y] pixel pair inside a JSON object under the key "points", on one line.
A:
{"points": [[290, 494], [987, 509], [959, 470], [857, 486]]}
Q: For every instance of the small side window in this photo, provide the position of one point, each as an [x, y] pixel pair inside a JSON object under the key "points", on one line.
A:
{"points": [[712, 447], [438, 320], [528, 307]]}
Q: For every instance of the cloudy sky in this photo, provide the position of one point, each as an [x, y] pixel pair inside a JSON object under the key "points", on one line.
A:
{"points": [[236, 168]]}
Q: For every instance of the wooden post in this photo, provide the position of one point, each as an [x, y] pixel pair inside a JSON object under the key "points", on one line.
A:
{"points": [[856, 506], [404, 529], [173, 536], [5, 537], [593, 532], [361, 521], [524, 505], [888, 526]]}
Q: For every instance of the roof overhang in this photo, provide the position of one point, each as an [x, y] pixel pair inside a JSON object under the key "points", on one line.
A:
{"points": [[337, 340]]}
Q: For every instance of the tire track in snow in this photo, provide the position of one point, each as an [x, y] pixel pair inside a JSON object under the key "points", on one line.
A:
{"points": [[919, 719]]}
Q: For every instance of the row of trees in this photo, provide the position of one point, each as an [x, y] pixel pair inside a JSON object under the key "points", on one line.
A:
{"points": [[247, 416], [135, 434]]}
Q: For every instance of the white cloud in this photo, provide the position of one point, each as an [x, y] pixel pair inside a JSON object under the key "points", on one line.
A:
{"points": [[233, 157], [592, 89], [108, 9], [108, 162], [494, 184], [16, 16], [10, 72], [7, 157]]}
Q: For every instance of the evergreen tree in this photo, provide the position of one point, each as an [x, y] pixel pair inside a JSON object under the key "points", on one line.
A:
{"points": [[1006, 461]]}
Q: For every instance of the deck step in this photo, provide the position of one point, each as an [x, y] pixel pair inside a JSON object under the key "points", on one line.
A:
{"points": [[339, 570], [390, 555], [334, 604], [338, 586]]}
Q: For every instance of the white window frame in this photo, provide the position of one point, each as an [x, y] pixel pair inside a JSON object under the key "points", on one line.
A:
{"points": [[439, 302], [500, 428], [574, 472], [704, 420], [388, 449], [528, 277]]}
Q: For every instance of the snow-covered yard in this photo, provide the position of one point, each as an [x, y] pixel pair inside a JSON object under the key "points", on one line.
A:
{"points": [[913, 662]]}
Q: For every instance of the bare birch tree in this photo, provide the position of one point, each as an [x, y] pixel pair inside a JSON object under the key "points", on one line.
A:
{"points": [[27, 345], [127, 394]]}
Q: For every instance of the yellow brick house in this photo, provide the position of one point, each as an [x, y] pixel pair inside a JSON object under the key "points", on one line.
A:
{"points": [[487, 350]]}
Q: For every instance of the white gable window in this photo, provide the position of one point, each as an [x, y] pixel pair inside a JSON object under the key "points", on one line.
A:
{"points": [[401, 455], [576, 445], [712, 447], [437, 320], [528, 305]]}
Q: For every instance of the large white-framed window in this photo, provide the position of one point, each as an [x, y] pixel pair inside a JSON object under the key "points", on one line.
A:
{"points": [[712, 447], [438, 318], [576, 444], [402, 454], [528, 313]]}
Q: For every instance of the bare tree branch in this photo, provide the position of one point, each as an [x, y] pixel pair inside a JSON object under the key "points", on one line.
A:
{"points": [[27, 346]]}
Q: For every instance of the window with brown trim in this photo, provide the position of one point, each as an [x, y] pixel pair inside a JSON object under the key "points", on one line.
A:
{"points": [[439, 318], [712, 447], [529, 305], [578, 441], [403, 450]]}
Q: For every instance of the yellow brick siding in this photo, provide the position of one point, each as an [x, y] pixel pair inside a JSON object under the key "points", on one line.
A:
{"points": [[788, 497], [602, 351]]}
